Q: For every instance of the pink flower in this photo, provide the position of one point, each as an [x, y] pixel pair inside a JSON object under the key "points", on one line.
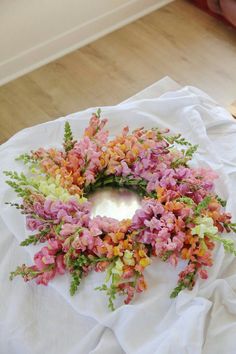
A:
{"points": [[87, 239], [188, 270], [178, 240], [206, 173], [153, 224], [171, 246], [173, 260], [53, 245], [38, 260], [62, 215], [76, 244], [127, 289], [128, 273], [60, 265], [106, 224], [164, 234], [33, 224], [45, 277], [94, 227], [102, 137], [203, 274], [150, 208], [125, 131], [38, 209], [67, 229], [183, 172], [43, 258], [47, 206], [90, 177], [125, 169], [147, 237], [185, 212]]}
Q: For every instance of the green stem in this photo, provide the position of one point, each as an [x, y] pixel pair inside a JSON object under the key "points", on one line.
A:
{"points": [[138, 185]]}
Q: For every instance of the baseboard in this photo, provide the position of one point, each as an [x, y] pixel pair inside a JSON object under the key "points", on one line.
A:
{"points": [[75, 38]]}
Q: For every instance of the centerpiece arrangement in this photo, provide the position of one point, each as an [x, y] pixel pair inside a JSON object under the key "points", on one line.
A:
{"points": [[180, 217]]}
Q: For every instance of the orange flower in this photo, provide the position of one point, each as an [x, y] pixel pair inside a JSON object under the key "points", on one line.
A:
{"points": [[172, 206], [201, 252], [117, 251], [185, 253]]}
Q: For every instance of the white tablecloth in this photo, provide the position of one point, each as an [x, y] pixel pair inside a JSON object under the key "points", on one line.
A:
{"points": [[36, 319]]}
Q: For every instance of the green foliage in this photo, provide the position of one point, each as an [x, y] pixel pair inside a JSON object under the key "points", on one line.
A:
{"points": [[166, 255], [138, 185], [34, 239], [190, 151], [187, 156], [178, 162], [98, 113], [68, 137], [159, 135], [20, 183], [111, 293], [203, 205], [76, 265], [25, 272], [178, 139], [187, 282], [16, 176], [81, 261], [181, 286], [19, 271], [26, 159], [186, 200], [76, 277], [232, 226], [21, 192], [221, 201], [16, 205], [227, 243]]}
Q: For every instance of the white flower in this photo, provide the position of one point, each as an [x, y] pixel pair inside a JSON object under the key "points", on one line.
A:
{"points": [[205, 226], [128, 258], [118, 269]]}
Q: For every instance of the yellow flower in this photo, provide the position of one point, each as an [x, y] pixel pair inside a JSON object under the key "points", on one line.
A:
{"points": [[123, 147], [144, 262], [142, 253], [116, 251]]}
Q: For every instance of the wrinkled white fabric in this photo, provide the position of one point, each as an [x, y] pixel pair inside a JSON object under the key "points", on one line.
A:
{"points": [[36, 319]]}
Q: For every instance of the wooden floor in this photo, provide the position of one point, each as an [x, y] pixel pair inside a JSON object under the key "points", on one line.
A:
{"points": [[178, 40]]}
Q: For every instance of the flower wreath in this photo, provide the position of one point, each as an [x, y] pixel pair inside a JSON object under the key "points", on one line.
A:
{"points": [[180, 216]]}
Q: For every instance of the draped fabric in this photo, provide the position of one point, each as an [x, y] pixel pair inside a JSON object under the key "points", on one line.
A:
{"points": [[37, 319]]}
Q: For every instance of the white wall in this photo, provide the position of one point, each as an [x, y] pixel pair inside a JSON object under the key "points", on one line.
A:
{"points": [[33, 32]]}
